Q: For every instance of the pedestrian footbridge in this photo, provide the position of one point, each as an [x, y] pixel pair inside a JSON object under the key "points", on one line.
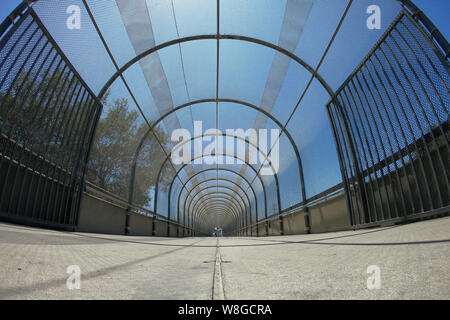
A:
{"points": [[310, 136]]}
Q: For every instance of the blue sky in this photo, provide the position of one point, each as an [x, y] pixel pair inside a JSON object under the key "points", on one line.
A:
{"points": [[244, 69], [436, 10]]}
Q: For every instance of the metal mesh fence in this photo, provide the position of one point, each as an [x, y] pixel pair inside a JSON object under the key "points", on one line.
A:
{"points": [[47, 116], [391, 124]]}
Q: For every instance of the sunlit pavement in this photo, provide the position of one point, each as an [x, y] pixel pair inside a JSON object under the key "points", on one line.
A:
{"points": [[402, 262]]}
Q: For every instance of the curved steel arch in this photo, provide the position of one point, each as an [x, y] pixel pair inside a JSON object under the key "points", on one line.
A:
{"points": [[245, 214], [220, 169], [283, 129], [243, 207], [197, 201], [213, 206], [216, 202], [179, 145], [205, 211], [228, 170], [225, 180], [223, 186], [192, 139], [237, 218], [314, 73], [223, 134], [257, 174], [220, 186], [220, 197], [215, 37], [261, 181], [208, 180], [237, 205], [218, 36]]}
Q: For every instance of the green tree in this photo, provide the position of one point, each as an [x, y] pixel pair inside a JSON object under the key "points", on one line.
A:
{"points": [[118, 135], [32, 113]]}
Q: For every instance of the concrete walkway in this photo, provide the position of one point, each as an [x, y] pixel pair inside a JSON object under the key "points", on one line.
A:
{"points": [[413, 260]]}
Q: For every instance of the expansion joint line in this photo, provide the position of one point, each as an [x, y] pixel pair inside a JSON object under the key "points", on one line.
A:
{"points": [[218, 291]]}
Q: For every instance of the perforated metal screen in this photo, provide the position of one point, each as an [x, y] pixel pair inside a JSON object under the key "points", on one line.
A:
{"points": [[391, 123], [47, 120]]}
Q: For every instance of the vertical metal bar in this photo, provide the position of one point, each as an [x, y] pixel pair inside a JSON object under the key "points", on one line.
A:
{"points": [[64, 106], [381, 158], [341, 163], [416, 118], [12, 106], [22, 129], [432, 107], [9, 71], [370, 141], [20, 108], [444, 62], [15, 26], [168, 210], [393, 136], [73, 160], [81, 164], [368, 217], [33, 134], [14, 46], [405, 140], [20, 88], [351, 163], [58, 164], [386, 136], [44, 144], [81, 132], [69, 145]]}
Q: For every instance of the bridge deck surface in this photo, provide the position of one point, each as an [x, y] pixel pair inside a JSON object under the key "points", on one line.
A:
{"points": [[413, 259]]}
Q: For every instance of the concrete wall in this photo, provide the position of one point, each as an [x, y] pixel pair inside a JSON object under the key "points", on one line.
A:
{"points": [[330, 215], [253, 229], [160, 228], [274, 227], [140, 225], [262, 229], [173, 230], [294, 223], [100, 216]]}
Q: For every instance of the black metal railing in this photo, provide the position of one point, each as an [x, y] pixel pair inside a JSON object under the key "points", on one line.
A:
{"points": [[390, 121], [47, 120]]}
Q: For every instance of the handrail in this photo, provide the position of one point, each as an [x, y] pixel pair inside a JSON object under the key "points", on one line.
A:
{"points": [[92, 189], [314, 200]]}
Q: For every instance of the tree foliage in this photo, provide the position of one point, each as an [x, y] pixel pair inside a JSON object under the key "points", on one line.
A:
{"points": [[119, 133], [41, 111]]}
